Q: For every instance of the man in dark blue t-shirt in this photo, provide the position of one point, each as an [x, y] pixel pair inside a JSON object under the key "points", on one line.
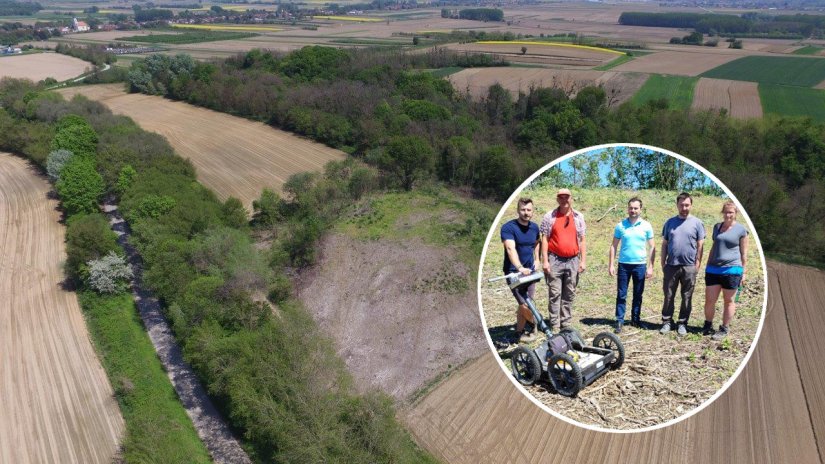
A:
{"points": [[521, 251]]}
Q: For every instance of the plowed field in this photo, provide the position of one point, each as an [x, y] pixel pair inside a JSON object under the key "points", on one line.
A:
{"points": [[621, 86], [233, 156], [773, 413], [56, 404], [540, 53], [39, 66], [741, 99], [687, 63]]}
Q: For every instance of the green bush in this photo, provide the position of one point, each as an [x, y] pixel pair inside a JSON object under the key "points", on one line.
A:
{"points": [[88, 237], [80, 186]]}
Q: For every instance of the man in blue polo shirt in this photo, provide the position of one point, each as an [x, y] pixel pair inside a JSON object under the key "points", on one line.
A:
{"points": [[520, 238], [637, 250]]}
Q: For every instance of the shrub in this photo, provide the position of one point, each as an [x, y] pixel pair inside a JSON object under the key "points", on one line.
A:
{"points": [[154, 206], [125, 178], [109, 274], [266, 209], [88, 237], [75, 134], [80, 186]]}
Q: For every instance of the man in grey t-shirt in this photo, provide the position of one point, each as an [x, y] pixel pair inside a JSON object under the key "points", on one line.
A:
{"points": [[683, 237]]}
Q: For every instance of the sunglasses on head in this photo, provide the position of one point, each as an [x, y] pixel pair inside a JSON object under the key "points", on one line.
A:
{"points": [[562, 196]]}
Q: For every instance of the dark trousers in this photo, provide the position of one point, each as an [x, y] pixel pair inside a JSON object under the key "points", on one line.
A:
{"points": [[676, 276], [627, 272]]}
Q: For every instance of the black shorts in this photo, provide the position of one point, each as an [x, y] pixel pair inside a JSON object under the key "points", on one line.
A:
{"points": [[727, 281], [522, 293]]}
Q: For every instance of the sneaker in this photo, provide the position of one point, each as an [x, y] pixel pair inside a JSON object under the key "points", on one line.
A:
{"points": [[638, 323], [721, 333], [665, 328], [681, 330], [707, 329], [618, 328]]}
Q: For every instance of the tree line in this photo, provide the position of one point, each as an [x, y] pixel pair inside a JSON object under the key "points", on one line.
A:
{"points": [[267, 365], [746, 25], [381, 107]]}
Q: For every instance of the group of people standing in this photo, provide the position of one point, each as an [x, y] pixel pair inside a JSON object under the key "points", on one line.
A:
{"points": [[559, 246]]}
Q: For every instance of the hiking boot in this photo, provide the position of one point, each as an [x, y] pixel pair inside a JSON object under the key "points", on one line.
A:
{"points": [[527, 337], [665, 328], [707, 329], [618, 328], [638, 324], [681, 330], [721, 333]]}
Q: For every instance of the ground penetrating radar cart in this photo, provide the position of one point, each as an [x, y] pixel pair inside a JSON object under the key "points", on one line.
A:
{"points": [[563, 358]]}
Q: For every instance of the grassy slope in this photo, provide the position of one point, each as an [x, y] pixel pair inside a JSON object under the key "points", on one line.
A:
{"points": [[157, 427], [437, 216], [797, 71], [677, 89], [793, 101]]}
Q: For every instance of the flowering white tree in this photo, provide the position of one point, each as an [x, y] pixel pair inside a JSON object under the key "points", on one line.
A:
{"points": [[109, 274], [55, 162]]}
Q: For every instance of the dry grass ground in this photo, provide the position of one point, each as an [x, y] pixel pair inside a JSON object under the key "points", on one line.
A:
{"points": [[38, 66], [621, 86], [773, 412], [57, 404], [233, 156], [740, 99], [663, 377]]}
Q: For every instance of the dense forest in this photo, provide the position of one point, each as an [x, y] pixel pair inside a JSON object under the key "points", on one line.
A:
{"points": [[12, 8], [747, 25], [257, 350], [385, 109]]}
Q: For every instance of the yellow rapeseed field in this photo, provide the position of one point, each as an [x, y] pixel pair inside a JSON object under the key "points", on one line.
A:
{"points": [[551, 44]]}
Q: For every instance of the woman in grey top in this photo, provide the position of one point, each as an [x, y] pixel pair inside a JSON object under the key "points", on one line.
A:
{"points": [[725, 270]]}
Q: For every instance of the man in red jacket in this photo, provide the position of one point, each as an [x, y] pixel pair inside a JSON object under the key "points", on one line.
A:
{"points": [[563, 257]]}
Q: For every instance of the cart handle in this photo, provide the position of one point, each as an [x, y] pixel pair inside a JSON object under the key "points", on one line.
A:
{"points": [[494, 279]]}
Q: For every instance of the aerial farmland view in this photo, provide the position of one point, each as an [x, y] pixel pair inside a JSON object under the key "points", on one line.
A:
{"points": [[252, 231]]}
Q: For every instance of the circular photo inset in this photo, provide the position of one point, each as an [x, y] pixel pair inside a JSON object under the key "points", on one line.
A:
{"points": [[622, 287]]}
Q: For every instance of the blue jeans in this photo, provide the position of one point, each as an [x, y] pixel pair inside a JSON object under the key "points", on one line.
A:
{"points": [[626, 273]]}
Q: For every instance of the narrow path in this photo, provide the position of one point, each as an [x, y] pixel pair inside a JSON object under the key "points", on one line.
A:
{"points": [[211, 428]]}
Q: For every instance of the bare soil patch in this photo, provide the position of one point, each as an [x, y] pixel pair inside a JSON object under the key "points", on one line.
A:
{"points": [[38, 66], [394, 328], [57, 404], [477, 414], [683, 63], [740, 99], [234, 156]]}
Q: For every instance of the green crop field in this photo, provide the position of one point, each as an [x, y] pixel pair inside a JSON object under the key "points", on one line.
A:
{"points": [[187, 37], [791, 70], [677, 89], [808, 50], [793, 101]]}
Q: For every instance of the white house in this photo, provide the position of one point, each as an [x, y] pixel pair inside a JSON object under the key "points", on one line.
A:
{"points": [[79, 26]]}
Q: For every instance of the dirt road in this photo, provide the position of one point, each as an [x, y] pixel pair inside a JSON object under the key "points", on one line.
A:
{"points": [[233, 156], [56, 404], [773, 413]]}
